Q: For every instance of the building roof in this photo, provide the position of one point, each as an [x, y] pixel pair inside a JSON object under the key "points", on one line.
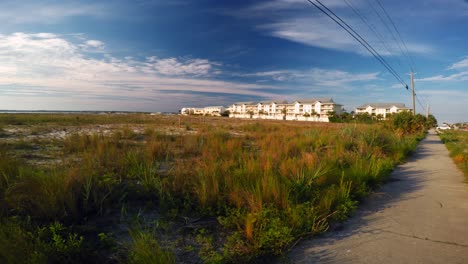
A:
{"points": [[246, 103], [384, 105], [311, 101], [322, 100], [267, 102]]}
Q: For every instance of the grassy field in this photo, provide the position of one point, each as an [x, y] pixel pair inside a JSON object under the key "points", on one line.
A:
{"points": [[164, 189], [457, 143]]}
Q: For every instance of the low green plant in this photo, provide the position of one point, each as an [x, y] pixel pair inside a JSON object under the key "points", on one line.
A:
{"points": [[457, 144], [267, 183], [145, 249], [26, 243]]}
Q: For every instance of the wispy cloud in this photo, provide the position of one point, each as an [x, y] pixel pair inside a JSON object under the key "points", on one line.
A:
{"points": [[461, 76], [290, 4], [50, 12], [48, 64], [95, 44], [180, 66], [300, 22], [460, 64], [45, 65], [461, 68], [316, 76], [316, 32], [321, 32]]}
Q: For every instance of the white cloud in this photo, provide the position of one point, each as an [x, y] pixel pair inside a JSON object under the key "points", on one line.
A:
{"points": [[315, 31], [316, 76], [44, 35], [321, 32], [174, 66], [459, 64], [299, 21], [33, 65], [94, 44], [461, 76], [291, 4], [336, 77], [33, 12]]}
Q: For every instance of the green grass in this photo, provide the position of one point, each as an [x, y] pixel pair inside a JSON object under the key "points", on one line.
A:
{"points": [[73, 119], [266, 184], [457, 144], [145, 249]]}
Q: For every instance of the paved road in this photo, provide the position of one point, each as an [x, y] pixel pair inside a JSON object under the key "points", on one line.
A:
{"points": [[421, 216]]}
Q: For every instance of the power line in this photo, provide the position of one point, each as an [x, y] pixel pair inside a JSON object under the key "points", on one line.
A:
{"points": [[373, 29], [398, 33], [386, 26], [420, 104], [358, 37], [406, 53]]}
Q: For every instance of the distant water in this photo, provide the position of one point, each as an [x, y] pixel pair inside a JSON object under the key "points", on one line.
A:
{"points": [[62, 112], [78, 112]]}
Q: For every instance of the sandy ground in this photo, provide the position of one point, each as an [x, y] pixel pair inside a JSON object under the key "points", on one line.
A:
{"points": [[420, 216]]}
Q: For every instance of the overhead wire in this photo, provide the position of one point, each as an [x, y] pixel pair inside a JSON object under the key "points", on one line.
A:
{"points": [[359, 38], [374, 30], [365, 44], [386, 26], [407, 54], [420, 104]]}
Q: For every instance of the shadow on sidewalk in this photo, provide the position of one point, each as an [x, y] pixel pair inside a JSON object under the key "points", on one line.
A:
{"points": [[402, 183]]}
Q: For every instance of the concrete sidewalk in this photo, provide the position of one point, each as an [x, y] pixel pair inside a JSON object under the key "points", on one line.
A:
{"points": [[420, 216]]}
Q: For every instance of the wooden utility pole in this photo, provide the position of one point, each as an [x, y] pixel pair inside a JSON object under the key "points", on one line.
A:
{"points": [[412, 91]]}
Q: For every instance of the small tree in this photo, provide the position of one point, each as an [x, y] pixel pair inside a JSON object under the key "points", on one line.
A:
{"points": [[284, 111], [226, 113], [333, 117], [379, 117], [431, 121]]}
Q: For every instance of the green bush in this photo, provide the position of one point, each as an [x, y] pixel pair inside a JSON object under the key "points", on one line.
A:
{"points": [[145, 249], [24, 243], [267, 184]]}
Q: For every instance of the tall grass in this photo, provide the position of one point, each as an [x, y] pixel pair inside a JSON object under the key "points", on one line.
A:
{"points": [[145, 249], [457, 144], [267, 184]]}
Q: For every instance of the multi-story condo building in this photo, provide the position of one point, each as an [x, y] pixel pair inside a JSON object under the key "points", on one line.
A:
{"points": [[302, 110], [383, 109], [209, 110]]}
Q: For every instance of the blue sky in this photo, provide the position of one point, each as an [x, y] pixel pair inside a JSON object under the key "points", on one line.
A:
{"points": [[155, 55]]}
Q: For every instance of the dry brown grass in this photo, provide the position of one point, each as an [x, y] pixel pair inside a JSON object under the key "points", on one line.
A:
{"points": [[265, 182]]}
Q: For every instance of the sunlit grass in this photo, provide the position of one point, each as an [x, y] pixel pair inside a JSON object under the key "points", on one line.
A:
{"points": [[266, 183], [457, 144]]}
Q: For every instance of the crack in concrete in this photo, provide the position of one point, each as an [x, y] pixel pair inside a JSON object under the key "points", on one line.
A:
{"points": [[426, 239]]}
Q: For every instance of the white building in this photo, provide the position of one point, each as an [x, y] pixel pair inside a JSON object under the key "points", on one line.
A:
{"points": [[318, 108], [209, 110], [302, 110], [382, 109]]}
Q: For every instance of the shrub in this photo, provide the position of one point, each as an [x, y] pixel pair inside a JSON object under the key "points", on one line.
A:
{"points": [[145, 249]]}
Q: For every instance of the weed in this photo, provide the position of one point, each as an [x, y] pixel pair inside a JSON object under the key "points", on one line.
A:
{"points": [[457, 144], [145, 249], [267, 184]]}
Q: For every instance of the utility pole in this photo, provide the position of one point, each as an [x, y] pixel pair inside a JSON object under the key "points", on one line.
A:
{"points": [[427, 110], [412, 91]]}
